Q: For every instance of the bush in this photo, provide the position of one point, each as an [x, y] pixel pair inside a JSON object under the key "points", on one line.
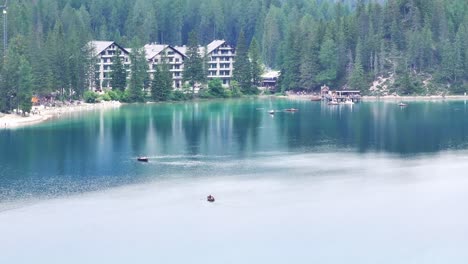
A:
{"points": [[215, 87], [90, 97], [235, 89], [178, 96], [126, 97], [105, 97], [115, 95], [204, 93]]}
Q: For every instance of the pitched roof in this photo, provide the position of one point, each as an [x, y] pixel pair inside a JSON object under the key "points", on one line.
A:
{"points": [[99, 46], [201, 50], [152, 50], [214, 45]]}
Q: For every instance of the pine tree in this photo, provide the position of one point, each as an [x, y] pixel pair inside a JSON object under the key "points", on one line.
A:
{"points": [[138, 74], [242, 68], [25, 86], [357, 79], [161, 85], [291, 65], [119, 74], [328, 61], [256, 64], [193, 68]]}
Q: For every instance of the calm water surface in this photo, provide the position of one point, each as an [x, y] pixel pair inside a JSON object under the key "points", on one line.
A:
{"points": [[368, 183]]}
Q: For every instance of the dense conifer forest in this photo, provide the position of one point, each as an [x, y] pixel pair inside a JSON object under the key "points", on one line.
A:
{"points": [[407, 46]]}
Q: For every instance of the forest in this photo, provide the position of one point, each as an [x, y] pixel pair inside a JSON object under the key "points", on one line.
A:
{"points": [[379, 47]]}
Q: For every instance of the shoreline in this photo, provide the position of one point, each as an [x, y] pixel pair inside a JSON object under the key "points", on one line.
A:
{"points": [[40, 114], [368, 98]]}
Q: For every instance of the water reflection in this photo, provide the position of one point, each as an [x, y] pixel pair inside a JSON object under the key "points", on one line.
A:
{"points": [[94, 149]]}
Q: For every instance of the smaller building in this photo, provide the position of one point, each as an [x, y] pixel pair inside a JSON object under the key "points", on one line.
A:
{"points": [[270, 80], [104, 53], [220, 58], [156, 53]]}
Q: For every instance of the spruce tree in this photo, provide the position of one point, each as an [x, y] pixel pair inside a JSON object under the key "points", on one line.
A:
{"points": [[193, 68], [119, 74], [25, 86], [256, 64], [242, 72], [161, 85], [138, 75]]}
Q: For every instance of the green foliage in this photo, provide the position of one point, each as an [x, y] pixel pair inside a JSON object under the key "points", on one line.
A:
{"points": [[25, 85], [216, 89], [119, 74], [114, 95], [161, 85], [256, 66], [178, 95], [406, 85], [242, 67], [90, 97], [193, 68], [138, 74], [312, 42], [235, 90]]}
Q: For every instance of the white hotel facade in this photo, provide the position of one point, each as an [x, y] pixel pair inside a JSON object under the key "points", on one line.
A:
{"points": [[220, 59]]}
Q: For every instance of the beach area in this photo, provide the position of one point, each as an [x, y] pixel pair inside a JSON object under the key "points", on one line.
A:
{"points": [[43, 113]]}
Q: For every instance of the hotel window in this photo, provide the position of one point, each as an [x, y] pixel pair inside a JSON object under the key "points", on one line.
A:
{"points": [[171, 59], [177, 60]]}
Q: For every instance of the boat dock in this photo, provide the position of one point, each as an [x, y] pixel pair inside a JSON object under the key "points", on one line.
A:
{"points": [[342, 96]]}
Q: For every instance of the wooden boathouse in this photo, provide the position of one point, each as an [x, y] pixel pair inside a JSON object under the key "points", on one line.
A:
{"points": [[341, 96]]}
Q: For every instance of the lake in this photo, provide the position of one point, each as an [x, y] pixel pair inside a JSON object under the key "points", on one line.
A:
{"points": [[365, 183]]}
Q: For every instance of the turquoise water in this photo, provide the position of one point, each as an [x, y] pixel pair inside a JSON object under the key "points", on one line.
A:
{"points": [[97, 150], [367, 183]]}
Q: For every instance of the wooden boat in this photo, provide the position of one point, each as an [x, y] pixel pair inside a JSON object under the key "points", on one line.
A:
{"points": [[316, 98], [291, 110], [143, 159], [210, 198]]}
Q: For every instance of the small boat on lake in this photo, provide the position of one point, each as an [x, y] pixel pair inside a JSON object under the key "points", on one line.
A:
{"points": [[402, 104], [271, 112], [210, 198], [143, 159], [316, 98], [291, 110], [333, 103]]}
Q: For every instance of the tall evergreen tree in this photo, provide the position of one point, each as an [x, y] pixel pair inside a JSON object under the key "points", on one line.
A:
{"points": [[25, 86], [242, 68], [119, 73], [138, 74], [193, 68], [161, 85], [256, 64]]}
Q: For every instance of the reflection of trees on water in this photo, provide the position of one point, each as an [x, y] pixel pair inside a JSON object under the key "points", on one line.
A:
{"points": [[246, 121]]}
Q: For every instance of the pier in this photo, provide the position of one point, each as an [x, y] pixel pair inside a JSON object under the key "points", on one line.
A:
{"points": [[341, 96]]}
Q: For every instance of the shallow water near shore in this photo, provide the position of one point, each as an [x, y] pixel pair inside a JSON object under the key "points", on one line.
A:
{"points": [[367, 183]]}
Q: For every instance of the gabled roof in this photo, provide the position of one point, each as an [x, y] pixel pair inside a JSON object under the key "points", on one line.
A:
{"points": [[214, 45], [201, 50], [153, 50], [99, 46]]}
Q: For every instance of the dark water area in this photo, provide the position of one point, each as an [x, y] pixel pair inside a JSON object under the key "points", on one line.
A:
{"points": [[97, 150]]}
